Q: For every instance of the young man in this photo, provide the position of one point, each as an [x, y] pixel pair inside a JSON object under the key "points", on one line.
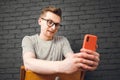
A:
{"points": [[43, 53]]}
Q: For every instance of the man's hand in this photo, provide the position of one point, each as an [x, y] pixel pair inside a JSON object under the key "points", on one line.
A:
{"points": [[90, 59], [70, 64], [84, 61]]}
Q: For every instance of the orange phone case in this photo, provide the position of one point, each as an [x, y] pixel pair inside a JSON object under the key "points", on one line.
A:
{"points": [[90, 42]]}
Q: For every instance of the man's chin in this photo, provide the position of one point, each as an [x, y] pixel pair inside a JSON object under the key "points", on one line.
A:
{"points": [[50, 36]]}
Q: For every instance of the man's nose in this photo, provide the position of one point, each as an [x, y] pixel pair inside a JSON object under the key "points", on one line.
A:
{"points": [[53, 27]]}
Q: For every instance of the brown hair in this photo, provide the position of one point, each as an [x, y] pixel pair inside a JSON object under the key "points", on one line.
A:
{"points": [[52, 9]]}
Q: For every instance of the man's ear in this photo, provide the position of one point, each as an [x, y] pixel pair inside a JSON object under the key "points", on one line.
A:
{"points": [[39, 21]]}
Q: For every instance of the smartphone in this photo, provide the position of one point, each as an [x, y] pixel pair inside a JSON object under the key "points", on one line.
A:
{"points": [[90, 42]]}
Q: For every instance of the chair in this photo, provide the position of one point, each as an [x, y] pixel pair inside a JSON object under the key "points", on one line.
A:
{"points": [[29, 75]]}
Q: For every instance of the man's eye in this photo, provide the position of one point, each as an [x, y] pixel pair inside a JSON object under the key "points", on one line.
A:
{"points": [[50, 22]]}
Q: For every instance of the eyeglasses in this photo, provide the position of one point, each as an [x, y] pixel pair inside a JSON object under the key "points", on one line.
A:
{"points": [[50, 23]]}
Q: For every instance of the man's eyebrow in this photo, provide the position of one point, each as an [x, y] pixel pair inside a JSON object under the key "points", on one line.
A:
{"points": [[54, 22]]}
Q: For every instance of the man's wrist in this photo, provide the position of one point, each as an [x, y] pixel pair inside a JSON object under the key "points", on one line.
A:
{"points": [[59, 67]]}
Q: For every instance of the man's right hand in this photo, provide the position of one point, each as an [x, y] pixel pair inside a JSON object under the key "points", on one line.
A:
{"points": [[70, 64], [86, 60]]}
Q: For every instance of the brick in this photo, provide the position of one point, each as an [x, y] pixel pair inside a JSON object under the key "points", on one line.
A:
{"points": [[66, 22], [1, 37], [1, 19], [72, 9], [29, 4], [87, 26], [4, 15], [35, 8], [37, 1], [29, 21], [14, 52], [20, 36], [103, 15], [96, 2], [103, 25], [86, 16], [72, 27], [9, 10], [56, 2], [9, 19], [15, 14], [8, 46], [14, 22], [9, 36], [14, 41], [87, 8], [70, 1], [17, 6], [5, 76], [109, 19], [22, 26], [31, 13], [14, 31], [78, 13], [94, 20], [2, 41], [16, 75], [71, 18], [98, 11], [115, 5], [12, 70], [45, 3], [34, 25], [34, 16], [21, 9], [104, 6], [9, 27], [22, 1], [22, 17], [28, 30]]}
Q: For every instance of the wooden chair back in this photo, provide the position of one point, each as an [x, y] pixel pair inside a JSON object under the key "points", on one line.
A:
{"points": [[29, 75]]}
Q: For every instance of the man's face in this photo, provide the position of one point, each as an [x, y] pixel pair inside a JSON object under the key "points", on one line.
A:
{"points": [[49, 25]]}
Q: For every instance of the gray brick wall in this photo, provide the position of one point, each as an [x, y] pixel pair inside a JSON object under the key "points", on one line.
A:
{"points": [[100, 17]]}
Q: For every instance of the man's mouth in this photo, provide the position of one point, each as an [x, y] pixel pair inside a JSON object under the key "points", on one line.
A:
{"points": [[50, 31]]}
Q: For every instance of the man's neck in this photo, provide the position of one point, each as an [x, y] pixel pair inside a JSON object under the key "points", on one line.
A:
{"points": [[45, 37]]}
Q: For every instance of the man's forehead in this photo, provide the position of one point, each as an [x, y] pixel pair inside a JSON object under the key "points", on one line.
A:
{"points": [[52, 16]]}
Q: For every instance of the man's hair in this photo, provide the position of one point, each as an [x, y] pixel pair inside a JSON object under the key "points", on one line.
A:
{"points": [[52, 9]]}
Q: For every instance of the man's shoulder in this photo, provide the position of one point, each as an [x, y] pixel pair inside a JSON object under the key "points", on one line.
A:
{"points": [[31, 37]]}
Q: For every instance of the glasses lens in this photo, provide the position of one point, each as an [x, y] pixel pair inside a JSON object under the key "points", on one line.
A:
{"points": [[50, 23]]}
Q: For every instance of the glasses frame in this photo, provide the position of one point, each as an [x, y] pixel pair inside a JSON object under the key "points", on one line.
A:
{"points": [[52, 23]]}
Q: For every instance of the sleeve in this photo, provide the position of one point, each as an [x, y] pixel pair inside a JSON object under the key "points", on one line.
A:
{"points": [[27, 45], [66, 47]]}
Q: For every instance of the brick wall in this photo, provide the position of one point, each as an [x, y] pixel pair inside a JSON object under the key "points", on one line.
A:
{"points": [[100, 17]]}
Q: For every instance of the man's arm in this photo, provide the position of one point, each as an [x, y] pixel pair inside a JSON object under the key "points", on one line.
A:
{"points": [[69, 65], [39, 66], [85, 60]]}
